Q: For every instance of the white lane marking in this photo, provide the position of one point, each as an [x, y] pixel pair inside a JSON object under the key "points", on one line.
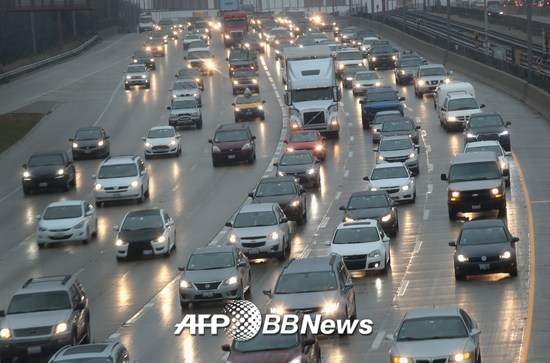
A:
{"points": [[351, 138], [139, 314], [350, 154], [346, 173], [430, 188], [350, 124], [378, 340], [306, 253], [9, 194], [426, 214], [430, 168], [206, 150], [417, 246], [403, 288], [324, 222], [193, 167], [176, 187], [428, 148], [338, 195], [347, 114]]}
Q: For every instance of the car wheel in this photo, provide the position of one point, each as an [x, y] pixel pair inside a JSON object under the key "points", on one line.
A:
{"points": [[74, 340], [94, 233], [459, 275], [252, 158], [397, 81], [120, 259], [66, 185], [385, 269], [168, 250], [26, 190], [452, 214], [147, 85], [416, 93], [126, 87], [98, 204], [234, 92], [88, 337], [514, 272], [502, 211], [414, 198], [249, 290], [282, 254], [145, 156], [140, 198], [199, 124], [41, 244], [179, 152], [507, 182], [184, 305], [241, 295], [88, 235], [262, 117]]}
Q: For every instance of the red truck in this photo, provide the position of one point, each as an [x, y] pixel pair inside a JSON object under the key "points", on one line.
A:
{"points": [[235, 27]]}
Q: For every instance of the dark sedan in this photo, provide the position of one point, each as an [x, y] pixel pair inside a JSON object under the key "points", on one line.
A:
{"points": [[406, 68], [90, 142], [285, 191], [484, 247], [48, 169], [244, 78], [404, 126], [372, 205], [144, 57], [488, 126], [349, 74], [302, 164], [194, 73]]}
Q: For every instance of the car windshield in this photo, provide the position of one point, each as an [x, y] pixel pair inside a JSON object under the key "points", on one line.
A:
{"points": [[380, 117], [181, 104], [136, 69], [192, 72], [255, 219], [399, 144], [352, 69], [201, 54], [482, 121], [296, 159], [399, 125], [313, 94], [304, 137], [410, 63], [382, 96], [243, 72], [428, 328], [62, 212], [267, 342], [349, 56], [494, 148], [191, 38], [251, 99], [39, 301], [435, 71], [142, 54], [231, 135], [139, 222], [241, 56], [210, 261], [462, 104], [279, 188], [474, 171], [161, 133], [43, 160], [301, 282], [482, 236], [117, 171], [185, 85], [381, 49], [360, 76], [368, 201], [306, 41], [145, 19], [282, 36], [93, 134], [389, 173], [356, 235]]}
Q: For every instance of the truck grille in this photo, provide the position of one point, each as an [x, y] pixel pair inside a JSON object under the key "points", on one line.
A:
{"points": [[485, 137], [399, 159], [437, 360], [31, 332], [314, 118], [475, 195], [207, 285]]}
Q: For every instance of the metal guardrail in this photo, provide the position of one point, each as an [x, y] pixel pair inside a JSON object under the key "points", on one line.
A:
{"points": [[46, 62]]}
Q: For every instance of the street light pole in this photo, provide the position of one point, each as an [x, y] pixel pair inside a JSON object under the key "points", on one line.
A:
{"points": [[529, 39], [486, 27]]}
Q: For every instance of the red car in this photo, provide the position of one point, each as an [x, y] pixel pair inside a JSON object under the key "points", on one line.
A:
{"points": [[307, 140], [284, 39]]}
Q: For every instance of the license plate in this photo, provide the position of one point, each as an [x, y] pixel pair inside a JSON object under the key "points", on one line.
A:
{"points": [[34, 350], [254, 251], [208, 293], [476, 206], [87, 151], [43, 185], [59, 235], [147, 252], [231, 156], [116, 195], [484, 266], [248, 113]]}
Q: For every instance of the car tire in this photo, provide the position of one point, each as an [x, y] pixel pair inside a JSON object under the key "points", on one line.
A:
{"points": [[120, 259], [87, 339], [252, 158], [140, 198], [40, 245], [147, 85], [184, 305], [452, 214], [384, 271], [126, 87], [234, 92], [502, 212], [416, 93], [67, 185], [94, 233], [262, 117], [397, 81], [178, 153], [214, 163], [414, 198], [98, 204], [199, 124], [26, 190], [282, 255], [145, 156], [168, 250], [459, 276], [88, 236], [514, 272]]}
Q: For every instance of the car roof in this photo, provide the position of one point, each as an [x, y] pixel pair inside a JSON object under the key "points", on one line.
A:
{"points": [[389, 112], [144, 212], [213, 249], [389, 165], [483, 223], [310, 264], [485, 114], [85, 351], [257, 207], [478, 156], [123, 159], [65, 202], [435, 311], [45, 284]]}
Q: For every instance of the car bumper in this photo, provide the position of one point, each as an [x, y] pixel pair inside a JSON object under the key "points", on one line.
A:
{"points": [[260, 249], [364, 263], [382, 64], [227, 156], [246, 114], [477, 206], [44, 183], [162, 150], [426, 88], [400, 195], [73, 234], [105, 196], [405, 78], [223, 292], [487, 267], [183, 121], [97, 151], [136, 82], [36, 347], [138, 249]]}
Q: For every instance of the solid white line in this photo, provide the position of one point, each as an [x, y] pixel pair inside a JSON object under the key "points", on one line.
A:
{"points": [[378, 340], [350, 124], [347, 114], [139, 314], [430, 167], [351, 138], [428, 148], [346, 173], [193, 167], [403, 288], [306, 253], [338, 195], [430, 188], [417, 246], [350, 154], [426, 214], [324, 222], [9, 194]]}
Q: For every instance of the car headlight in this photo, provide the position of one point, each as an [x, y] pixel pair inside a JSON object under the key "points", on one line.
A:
{"points": [[462, 258], [334, 121], [274, 235], [348, 219], [231, 281], [134, 184], [247, 45], [148, 48], [281, 173], [349, 78], [79, 225], [375, 253], [26, 174], [255, 81], [5, 333], [152, 59], [98, 186], [120, 242], [295, 203], [189, 65], [279, 310], [447, 80], [173, 143], [505, 132], [460, 357], [411, 155], [75, 145], [148, 144], [381, 158], [373, 59], [144, 76], [61, 328], [135, 61], [100, 143], [330, 308], [402, 71], [60, 172], [235, 82], [161, 239], [451, 118], [495, 191], [276, 42], [311, 171], [260, 107], [455, 194], [233, 238], [401, 360], [373, 189], [216, 149], [185, 284], [377, 84], [393, 57], [506, 255], [340, 66], [319, 148], [246, 146], [405, 187], [42, 229], [237, 109], [386, 218], [470, 136]]}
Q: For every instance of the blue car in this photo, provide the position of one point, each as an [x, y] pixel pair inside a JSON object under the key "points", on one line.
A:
{"points": [[379, 99]]}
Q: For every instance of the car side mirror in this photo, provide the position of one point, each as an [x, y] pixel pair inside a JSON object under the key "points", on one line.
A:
{"points": [[253, 138], [475, 331], [90, 212], [361, 102], [390, 337], [37, 217], [229, 224], [2, 313], [210, 141], [482, 105], [413, 173], [275, 164], [263, 101], [242, 263], [450, 73], [169, 89], [80, 305], [515, 239], [417, 147], [342, 207], [71, 139], [366, 178], [267, 292], [452, 244], [444, 177], [143, 138], [302, 191], [348, 285], [169, 223], [168, 107], [226, 348], [116, 228], [386, 239], [285, 141], [233, 104], [417, 127], [401, 99], [227, 59], [184, 58], [309, 341], [283, 220], [175, 75], [107, 137], [181, 268], [507, 153], [375, 150], [24, 166], [508, 123], [251, 195], [444, 109], [505, 172]]}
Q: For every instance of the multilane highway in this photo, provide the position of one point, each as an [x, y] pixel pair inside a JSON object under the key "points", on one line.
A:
{"points": [[136, 301]]}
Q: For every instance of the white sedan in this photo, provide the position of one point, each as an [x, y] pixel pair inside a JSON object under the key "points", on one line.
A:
{"points": [[66, 221], [162, 140], [396, 179]]}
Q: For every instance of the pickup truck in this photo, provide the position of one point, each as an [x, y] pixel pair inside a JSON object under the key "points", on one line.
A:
{"points": [[379, 99]]}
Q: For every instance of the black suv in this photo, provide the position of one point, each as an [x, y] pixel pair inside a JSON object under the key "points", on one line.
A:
{"points": [[287, 192], [381, 56], [48, 169], [144, 57], [405, 69], [372, 204], [45, 314], [233, 142], [488, 126], [475, 184]]}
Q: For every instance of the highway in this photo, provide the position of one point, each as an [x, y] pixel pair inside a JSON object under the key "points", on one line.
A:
{"points": [[136, 301]]}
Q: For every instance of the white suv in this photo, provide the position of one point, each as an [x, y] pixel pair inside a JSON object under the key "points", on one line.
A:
{"points": [[428, 77], [363, 245], [345, 57], [457, 109], [121, 178]]}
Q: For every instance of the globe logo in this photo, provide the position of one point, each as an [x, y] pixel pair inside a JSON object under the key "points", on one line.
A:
{"points": [[245, 320]]}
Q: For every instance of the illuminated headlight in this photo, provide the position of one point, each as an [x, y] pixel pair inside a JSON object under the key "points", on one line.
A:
{"points": [[152, 59], [61, 328], [495, 191], [294, 125], [189, 65], [247, 45], [277, 51], [128, 77], [373, 59], [455, 194], [148, 144], [134, 184], [462, 258], [447, 80], [295, 203], [215, 149], [5, 333], [144, 76], [319, 148], [363, 48], [255, 81], [348, 219], [274, 235], [262, 44], [402, 71], [79, 225], [451, 118], [381, 158], [502, 164], [393, 57], [276, 42], [159, 48], [505, 255], [340, 66], [231, 281], [235, 82], [297, 29], [311, 171], [209, 64], [411, 155], [60, 172], [405, 187], [99, 143], [226, 36], [197, 80], [173, 143], [401, 360], [386, 218], [470, 136], [334, 121], [260, 107], [98, 186], [375, 253], [135, 61], [345, 36], [185, 284], [373, 189], [349, 78], [237, 109], [196, 94], [233, 238], [174, 96], [505, 132], [279, 310], [330, 308], [161, 239], [148, 48], [281, 173], [378, 84], [75, 145], [460, 357], [246, 146]]}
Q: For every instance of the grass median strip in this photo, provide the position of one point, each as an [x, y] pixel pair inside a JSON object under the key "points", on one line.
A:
{"points": [[13, 126]]}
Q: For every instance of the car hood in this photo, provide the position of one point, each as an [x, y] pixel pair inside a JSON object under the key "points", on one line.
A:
{"points": [[486, 130], [60, 223], [367, 213], [396, 153], [180, 111], [255, 231], [384, 183], [137, 74], [348, 249], [219, 274], [469, 112], [429, 348], [350, 61], [491, 249], [305, 300], [475, 185], [142, 235], [116, 182], [282, 200], [248, 105], [432, 78], [316, 105], [160, 141], [38, 319], [292, 169], [308, 145], [44, 170], [265, 356]]}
